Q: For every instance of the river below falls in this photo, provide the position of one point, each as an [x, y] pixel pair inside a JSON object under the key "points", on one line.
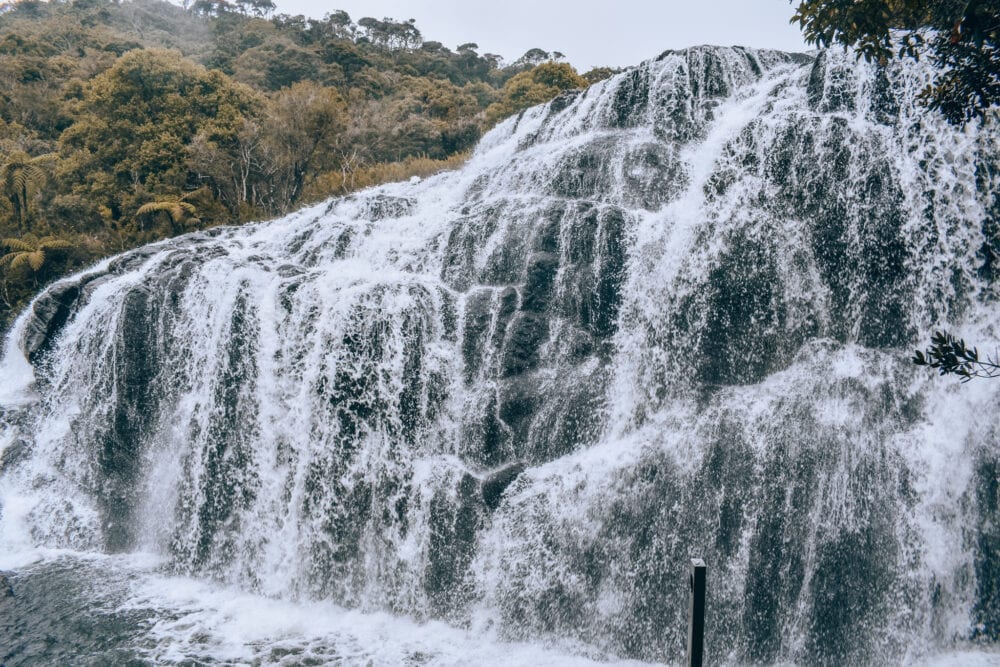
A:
{"points": [[90, 609], [71, 608]]}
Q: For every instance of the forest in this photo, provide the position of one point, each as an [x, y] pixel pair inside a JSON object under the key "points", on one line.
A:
{"points": [[123, 123]]}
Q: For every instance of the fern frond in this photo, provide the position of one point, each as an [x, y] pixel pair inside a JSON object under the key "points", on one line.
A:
{"points": [[18, 245], [203, 190], [52, 243], [155, 206], [34, 173], [36, 259], [20, 179], [20, 259], [175, 208]]}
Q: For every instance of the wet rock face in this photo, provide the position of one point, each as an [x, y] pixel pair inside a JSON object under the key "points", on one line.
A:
{"points": [[831, 85], [49, 313], [17, 451], [494, 486], [528, 332], [746, 316], [631, 99], [736, 507], [132, 414], [987, 547], [54, 307], [454, 523], [382, 207], [541, 270], [553, 304]]}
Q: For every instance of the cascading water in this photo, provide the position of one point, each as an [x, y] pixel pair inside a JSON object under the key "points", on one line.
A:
{"points": [[669, 316]]}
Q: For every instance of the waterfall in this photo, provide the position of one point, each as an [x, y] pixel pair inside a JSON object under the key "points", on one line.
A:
{"points": [[669, 316]]}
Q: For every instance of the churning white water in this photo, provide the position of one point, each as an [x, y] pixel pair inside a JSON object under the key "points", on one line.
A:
{"points": [[490, 416]]}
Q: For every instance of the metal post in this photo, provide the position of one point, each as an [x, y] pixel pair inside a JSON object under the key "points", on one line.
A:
{"points": [[696, 618]]}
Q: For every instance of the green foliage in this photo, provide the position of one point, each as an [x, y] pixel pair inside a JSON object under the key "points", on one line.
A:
{"points": [[354, 176], [177, 212], [962, 37], [29, 262], [258, 8], [950, 355], [305, 124], [279, 64], [30, 252], [20, 175], [533, 57], [391, 34], [534, 86], [600, 74], [139, 115]]}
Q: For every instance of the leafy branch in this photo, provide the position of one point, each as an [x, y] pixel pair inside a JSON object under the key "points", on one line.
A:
{"points": [[950, 355]]}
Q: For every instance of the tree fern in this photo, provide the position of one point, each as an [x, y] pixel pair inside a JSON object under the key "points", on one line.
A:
{"points": [[177, 209], [30, 252], [19, 175]]}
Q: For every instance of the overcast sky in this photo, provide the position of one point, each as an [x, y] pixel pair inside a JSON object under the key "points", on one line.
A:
{"points": [[589, 32]]}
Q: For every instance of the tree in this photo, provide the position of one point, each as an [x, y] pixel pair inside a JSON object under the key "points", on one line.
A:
{"points": [[258, 8], [962, 37], [234, 167], [276, 64], [600, 73], [535, 86], [31, 252], [211, 7], [20, 174], [391, 34], [532, 57], [135, 122], [306, 123], [177, 209], [339, 18]]}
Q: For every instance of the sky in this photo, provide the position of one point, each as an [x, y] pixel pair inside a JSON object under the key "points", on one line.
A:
{"points": [[590, 33]]}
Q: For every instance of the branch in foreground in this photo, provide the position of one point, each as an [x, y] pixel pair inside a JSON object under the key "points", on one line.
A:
{"points": [[950, 355]]}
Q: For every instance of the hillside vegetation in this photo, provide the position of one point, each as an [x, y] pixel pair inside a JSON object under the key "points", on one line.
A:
{"points": [[125, 123]]}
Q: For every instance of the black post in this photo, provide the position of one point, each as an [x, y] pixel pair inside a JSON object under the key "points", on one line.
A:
{"points": [[696, 619]]}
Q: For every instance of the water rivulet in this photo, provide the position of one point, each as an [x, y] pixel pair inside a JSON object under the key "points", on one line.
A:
{"points": [[668, 316]]}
